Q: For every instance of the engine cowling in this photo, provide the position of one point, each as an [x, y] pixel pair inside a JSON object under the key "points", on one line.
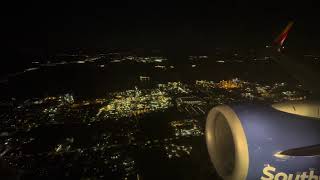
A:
{"points": [[251, 141]]}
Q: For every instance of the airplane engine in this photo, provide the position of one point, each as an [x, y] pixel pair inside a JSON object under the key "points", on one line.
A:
{"points": [[279, 141]]}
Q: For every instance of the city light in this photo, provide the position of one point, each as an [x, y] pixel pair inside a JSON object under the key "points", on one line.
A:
{"points": [[114, 123], [135, 102]]}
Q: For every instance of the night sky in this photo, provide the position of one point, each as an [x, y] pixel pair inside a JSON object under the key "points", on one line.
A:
{"points": [[42, 28]]}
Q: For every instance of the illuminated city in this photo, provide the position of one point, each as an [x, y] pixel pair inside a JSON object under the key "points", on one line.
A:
{"points": [[100, 136], [139, 90]]}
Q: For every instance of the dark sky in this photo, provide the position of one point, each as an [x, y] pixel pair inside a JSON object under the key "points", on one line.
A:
{"points": [[45, 27]]}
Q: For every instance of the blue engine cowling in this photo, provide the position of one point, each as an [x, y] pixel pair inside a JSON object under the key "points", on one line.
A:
{"points": [[265, 142]]}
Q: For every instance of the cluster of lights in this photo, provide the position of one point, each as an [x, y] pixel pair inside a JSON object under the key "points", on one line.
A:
{"points": [[251, 91], [58, 100], [177, 151], [230, 84], [135, 102], [223, 84], [64, 147], [277, 92], [187, 127], [147, 59], [174, 88], [197, 58], [139, 59], [117, 162]]}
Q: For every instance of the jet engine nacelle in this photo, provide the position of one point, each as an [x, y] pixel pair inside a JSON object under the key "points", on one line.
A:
{"points": [[265, 142]]}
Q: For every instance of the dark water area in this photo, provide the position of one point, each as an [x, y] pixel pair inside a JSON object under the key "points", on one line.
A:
{"points": [[151, 126], [156, 125], [48, 136], [90, 80], [155, 165]]}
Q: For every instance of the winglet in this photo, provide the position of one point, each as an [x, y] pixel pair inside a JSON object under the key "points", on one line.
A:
{"points": [[282, 37]]}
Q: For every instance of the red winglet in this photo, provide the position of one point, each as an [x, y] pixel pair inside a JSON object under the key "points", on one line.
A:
{"points": [[282, 37]]}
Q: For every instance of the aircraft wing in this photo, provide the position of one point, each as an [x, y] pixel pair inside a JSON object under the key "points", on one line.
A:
{"points": [[302, 72]]}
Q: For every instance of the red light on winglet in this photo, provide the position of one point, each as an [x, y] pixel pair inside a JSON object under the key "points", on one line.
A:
{"points": [[283, 36]]}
